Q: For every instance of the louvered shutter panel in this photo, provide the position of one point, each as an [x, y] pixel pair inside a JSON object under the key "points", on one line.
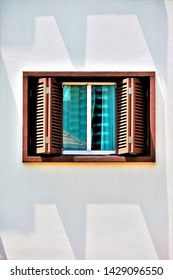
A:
{"points": [[138, 117], [123, 116], [41, 116], [55, 117]]}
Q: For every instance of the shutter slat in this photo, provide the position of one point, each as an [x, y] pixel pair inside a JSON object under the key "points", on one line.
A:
{"points": [[123, 116], [55, 117], [41, 116], [139, 117]]}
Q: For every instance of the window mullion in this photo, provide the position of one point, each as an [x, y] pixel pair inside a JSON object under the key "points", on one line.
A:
{"points": [[88, 117]]}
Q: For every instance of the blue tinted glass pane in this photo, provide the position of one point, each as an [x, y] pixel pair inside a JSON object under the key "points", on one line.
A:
{"points": [[103, 118], [74, 117]]}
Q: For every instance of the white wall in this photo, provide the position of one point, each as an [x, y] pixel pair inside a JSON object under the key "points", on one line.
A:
{"points": [[85, 211]]}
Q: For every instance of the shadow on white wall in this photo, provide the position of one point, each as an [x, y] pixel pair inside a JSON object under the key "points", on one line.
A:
{"points": [[18, 28]]}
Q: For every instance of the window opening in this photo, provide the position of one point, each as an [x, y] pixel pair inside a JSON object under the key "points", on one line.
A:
{"points": [[125, 132]]}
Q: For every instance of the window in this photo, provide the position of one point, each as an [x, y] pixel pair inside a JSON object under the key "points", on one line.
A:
{"points": [[88, 116]]}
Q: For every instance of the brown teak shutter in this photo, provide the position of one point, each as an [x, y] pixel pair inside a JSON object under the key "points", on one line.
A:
{"points": [[54, 117], [138, 117], [123, 116], [131, 117], [48, 119], [41, 116]]}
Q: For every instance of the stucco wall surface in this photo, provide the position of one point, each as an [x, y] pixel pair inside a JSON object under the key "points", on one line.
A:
{"points": [[85, 211]]}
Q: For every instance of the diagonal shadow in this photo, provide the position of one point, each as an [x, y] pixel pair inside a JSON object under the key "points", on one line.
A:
{"points": [[71, 19], [2, 251]]}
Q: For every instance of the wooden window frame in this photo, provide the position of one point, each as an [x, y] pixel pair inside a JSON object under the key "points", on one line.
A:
{"points": [[89, 77]]}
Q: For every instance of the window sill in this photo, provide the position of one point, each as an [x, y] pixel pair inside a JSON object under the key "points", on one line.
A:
{"points": [[87, 158]]}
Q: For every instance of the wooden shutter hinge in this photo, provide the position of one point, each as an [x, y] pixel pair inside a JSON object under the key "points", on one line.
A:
{"points": [[130, 90], [130, 139], [47, 139], [30, 93], [47, 90]]}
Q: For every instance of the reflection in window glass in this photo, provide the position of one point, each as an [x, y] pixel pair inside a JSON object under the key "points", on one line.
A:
{"points": [[103, 117], [74, 117]]}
